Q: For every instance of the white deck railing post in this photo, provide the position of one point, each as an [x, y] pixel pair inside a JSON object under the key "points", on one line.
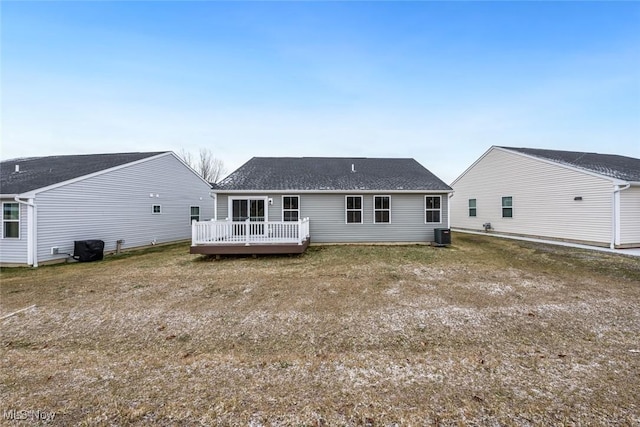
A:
{"points": [[194, 232]]}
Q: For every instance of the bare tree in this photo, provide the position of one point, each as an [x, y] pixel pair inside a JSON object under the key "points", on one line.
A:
{"points": [[208, 166]]}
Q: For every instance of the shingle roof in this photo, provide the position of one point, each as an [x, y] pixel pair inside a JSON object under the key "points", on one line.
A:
{"points": [[611, 165], [39, 172], [332, 173]]}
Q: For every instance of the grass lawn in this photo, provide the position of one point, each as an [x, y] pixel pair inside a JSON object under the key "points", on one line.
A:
{"points": [[488, 331]]}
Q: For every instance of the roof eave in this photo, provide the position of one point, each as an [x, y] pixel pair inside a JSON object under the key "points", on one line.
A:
{"points": [[342, 191]]}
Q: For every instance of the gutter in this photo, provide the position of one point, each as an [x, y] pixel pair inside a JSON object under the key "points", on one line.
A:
{"points": [[450, 195], [615, 219], [32, 247]]}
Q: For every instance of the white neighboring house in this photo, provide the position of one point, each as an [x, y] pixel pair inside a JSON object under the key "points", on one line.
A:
{"points": [[571, 196], [125, 199]]}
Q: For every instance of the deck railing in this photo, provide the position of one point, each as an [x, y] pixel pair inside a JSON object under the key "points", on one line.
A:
{"points": [[249, 232]]}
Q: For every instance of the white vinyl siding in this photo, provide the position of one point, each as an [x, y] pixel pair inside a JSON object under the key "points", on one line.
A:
{"points": [[117, 205], [543, 196], [326, 212], [630, 217], [14, 251]]}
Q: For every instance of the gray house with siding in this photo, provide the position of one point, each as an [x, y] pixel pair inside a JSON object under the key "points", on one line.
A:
{"points": [[573, 196], [344, 200], [127, 200]]}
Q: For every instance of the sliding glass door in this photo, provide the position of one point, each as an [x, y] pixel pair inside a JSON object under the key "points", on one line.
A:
{"points": [[251, 209]]}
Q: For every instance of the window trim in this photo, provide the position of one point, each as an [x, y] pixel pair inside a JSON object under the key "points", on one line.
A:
{"points": [[19, 220], [153, 209], [283, 210], [381, 210], [439, 210], [248, 198], [191, 215], [510, 207], [474, 208], [346, 210]]}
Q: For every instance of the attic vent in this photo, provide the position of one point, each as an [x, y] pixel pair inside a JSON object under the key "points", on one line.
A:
{"points": [[353, 168]]}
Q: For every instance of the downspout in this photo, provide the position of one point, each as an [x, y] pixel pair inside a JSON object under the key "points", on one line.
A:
{"points": [[215, 205], [32, 247], [615, 220], [449, 211]]}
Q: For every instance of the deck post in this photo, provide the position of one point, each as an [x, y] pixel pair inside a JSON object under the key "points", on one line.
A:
{"points": [[299, 231], [194, 234], [246, 232]]}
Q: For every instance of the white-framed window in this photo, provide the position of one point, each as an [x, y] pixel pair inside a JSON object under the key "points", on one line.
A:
{"points": [[156, 209], [353, 209], [381, 209], [473, 210], [194, 213], [507, 207], [290, 208], [433, 209], [11, 220]]}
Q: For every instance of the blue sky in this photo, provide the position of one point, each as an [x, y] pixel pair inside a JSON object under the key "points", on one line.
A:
{"points": [[437, 81]]}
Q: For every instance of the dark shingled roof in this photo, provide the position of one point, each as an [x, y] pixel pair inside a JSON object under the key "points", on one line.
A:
{"points": [[39, 172], [331, 173], [611, 165]]}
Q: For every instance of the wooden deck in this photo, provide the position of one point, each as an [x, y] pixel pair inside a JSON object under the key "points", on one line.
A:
{"points": [[249, 237]]}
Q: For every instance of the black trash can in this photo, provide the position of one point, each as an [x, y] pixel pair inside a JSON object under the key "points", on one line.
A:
{"points": [[88, 250], [442, 236]]}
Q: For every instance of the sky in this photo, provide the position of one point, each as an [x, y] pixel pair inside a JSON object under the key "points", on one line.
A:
{"points": [[440, 82]]}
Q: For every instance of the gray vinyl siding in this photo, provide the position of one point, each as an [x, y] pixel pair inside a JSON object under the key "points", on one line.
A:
{"points": [[543, 199], [630, 217], [326, 212], [117, 205], [14, 251]]}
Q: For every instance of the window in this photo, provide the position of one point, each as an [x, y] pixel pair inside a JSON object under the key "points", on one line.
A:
{"points": [[290, 208], [473, 211], [507, 207], [381, 209], [156, 209], [432, 208], [354, 209], [195, 214], [10, 220]]}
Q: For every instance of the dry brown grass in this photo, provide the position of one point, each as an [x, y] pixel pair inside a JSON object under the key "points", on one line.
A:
{"points": [[486, 332]]}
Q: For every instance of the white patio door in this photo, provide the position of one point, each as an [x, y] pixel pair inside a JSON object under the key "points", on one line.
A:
{"points": [[249, 209]]}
